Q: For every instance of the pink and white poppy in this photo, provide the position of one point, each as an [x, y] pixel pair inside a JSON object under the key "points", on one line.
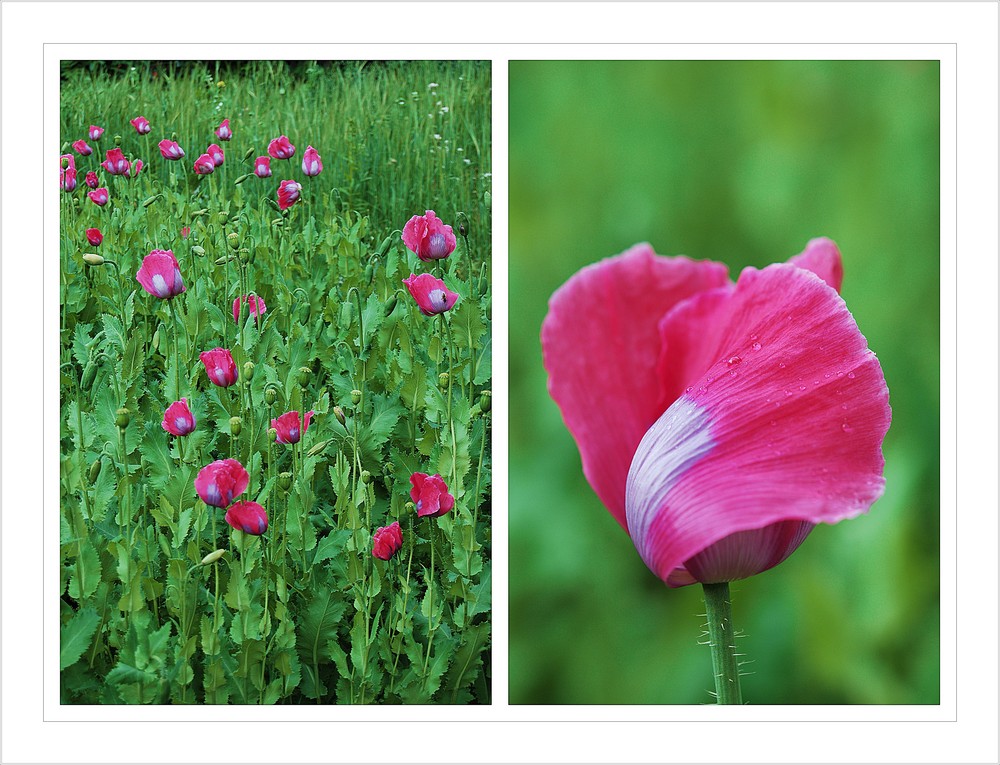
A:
{"points": [[387, 541], [248, 517], [185, 232], [430, 495], [281, 148], [288, 193], [116, 164], [262, 167], [136, 168], [95, 133], [432, 295], [67, 175], [255, 304], [224, 132], [99, 196], [170, 149], [290, 428], [178, 419], [718, 422], [215, 152], [141, 125], [204, 165], [160, 275], [81, 148], [429, 237], [91, 179], [94, 236], [311, 162], [220, 367], [220, 482]]}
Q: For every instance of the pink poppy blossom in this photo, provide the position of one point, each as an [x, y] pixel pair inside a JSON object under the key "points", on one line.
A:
{"points": [[94, 236], [67, 178], [91, 179], [262, 167], [81, 148], [428, 237], [141, 125], [430, 495], [185, 232], [290, 428], [99, 196], [255, 305], [95, 133], [215, 152], [708, 421], [248, 517], [116, 164], [311, 162], [204, 165], [288, 193], [387, 541], [220, 482], [281, 148], [160, 275], [224, 132], [220, 367], [170, 149], [136, 167], [178, 419], [431, 294]]}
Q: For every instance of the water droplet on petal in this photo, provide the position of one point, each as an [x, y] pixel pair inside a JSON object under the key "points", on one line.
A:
{"points": [[774, 422], [781, 365], [789, 393], [689, 388], [843, 406], [850, 375], [756, 346], [802, 387], [734, 360], [846, 428]]}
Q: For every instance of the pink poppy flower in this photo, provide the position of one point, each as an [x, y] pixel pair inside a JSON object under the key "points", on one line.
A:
{"points": [[136, 167], [67, 178], [220, 367], [219, 482], [248, 517], [431, 294], [116, 164], [67, 161], [160, 275], [94, 236], [185, 232], [81, 148], [387, 541], [170, 149], [430, 495], [204, 165], [141, 125], [95, 133], [224, 132], [215, 152], [262, 167], [288, 194], [311, 162], [178, 419], [428, 237], [718, 422], [99, 196], [288, 427], [281, 148], [254, 303], [91, 179]]}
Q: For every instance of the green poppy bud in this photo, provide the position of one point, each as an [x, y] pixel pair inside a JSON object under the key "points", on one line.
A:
{"points": [[409, 507], [366, 477], [199, 213], [93, 259], [285, 480], [198, 250], [122, 418], [248, 370], [149, 200], [249, 153], [95, 470], [390, 305], [212, 557], [270, 396], [156, 339], [89, 373], [235, 425], [355, 397], [339, 414], [346, 313], [303, 377], [243, 178], [385, 245], [485, 401], [369, 273], [272, 434], [317, 448]]}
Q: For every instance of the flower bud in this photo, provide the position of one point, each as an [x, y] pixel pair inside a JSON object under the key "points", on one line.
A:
{"points": [[409, 507], [366, 477], [385, 245], [390, 305], [156, 339], [95, 470], [485, 401], [89, 373], [355, 397], [118, 140], [339, 414], [248, 370], [443, 379], [250, 152], [243, 178], [212, 557], [317, 448], [232, 239], [199, 213], [149, 200], [461, 230], [369, 273], [285, 480], [122, 418], [198, 250], [272, 434], [223, 217], [484, 285], [93, 259], [235, 425], [346, 313], [304, 374], [270, 396]]}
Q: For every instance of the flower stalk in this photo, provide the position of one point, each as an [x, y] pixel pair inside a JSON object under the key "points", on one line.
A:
{"points": [[722, 640]]}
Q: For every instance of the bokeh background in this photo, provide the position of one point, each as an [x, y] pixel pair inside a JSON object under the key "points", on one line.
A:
{"points": [[740, 162]]}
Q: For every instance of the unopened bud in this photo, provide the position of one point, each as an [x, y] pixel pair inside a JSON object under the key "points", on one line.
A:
{"points": [[198, 250], [122, 418], [93, 259], [484, 285], [355, 397], [199, 213], [304, 374], [149, 200], [95, 470], [232, 239], [317, 448], [89, 373], [339, 414], [156, 339], [272, 434], [249, 153], [235, 425], [270, 396], [346, 313], [369, 273], [485, 399], [212, 557], [221, 261], [390, 305], [461, 229], [248, 370], [443, 379], [385, 245], [409, 507], [285, 480], [243, 178], [366, 477]]}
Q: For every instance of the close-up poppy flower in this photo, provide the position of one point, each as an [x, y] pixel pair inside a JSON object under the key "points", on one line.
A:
{"points": [[170, 149], [81, 148], [178, 419], [248, 517], [95, 132], [204, 165], [216, 153], [160, 274], [429, 237], [91, 179], [311, 162], [387, 541], [262, 167], [116, 163], [94, 236], [220, 482], [141, 125], [220, 367], [224, 132], [254, 303], [281, 148], [98, 196], [288, 193], [289, 428], [430, 495], [430, 293]]}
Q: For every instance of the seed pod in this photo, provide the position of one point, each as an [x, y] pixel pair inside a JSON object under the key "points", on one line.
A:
{"points": [[232, 239], [248, 370], [122, 418], [89, 373], [272, 434], [212, 557], [355, 397], [235, 425], [409, 507], [485, 401], [303, 377], [93, 259], [223, 217], [390, 305], [443, 379], [270, 396], [285, 480], [198, 250], [118, 140], [366, 477], [339, 414], [317, 448], [95, 470]]}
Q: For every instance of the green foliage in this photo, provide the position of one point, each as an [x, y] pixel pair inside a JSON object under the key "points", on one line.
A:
{"points": [[304, 612]]}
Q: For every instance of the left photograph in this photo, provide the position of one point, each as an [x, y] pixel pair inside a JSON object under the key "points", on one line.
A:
{"points": [[275, 382]]}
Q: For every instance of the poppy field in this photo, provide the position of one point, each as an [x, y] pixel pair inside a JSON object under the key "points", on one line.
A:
{"points": [[275, 373]]}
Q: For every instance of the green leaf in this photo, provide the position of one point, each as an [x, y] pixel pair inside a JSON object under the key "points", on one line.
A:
{"points": [[318, 625], [86, 572], [75, 636]]}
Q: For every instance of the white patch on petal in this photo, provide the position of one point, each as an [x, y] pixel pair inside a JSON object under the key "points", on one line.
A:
{"points": [[160, 286], [181, 423]]}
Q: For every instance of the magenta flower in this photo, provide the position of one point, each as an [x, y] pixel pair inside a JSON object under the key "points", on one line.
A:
{"points": [[718, 422], [91, 179], [141, 125], [428, 237], [248, 517], [220, 367], [95, 133], [160, 275], [94, 236], [170, 149], [281, 148], [430, 495], [219, 482], [288, 194], [215, 152], [255, 305], [81, 148], [224, 132], [116, 164], [262, 167], [136, 167], [288, 427], [311, 162], [431, 294], [387, 541], [178, 419], [67, 176], [204, 165], [98, 196]]}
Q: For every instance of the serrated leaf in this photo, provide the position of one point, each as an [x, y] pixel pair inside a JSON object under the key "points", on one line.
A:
{"points": [[319, 625], [75, 636], [86, 572], [113, 331]]}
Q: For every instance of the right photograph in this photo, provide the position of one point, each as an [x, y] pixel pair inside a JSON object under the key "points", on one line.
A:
{"points": [[724, 437]]}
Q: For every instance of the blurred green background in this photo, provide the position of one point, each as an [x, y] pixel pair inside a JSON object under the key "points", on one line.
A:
{"points": [[740, 162]]}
